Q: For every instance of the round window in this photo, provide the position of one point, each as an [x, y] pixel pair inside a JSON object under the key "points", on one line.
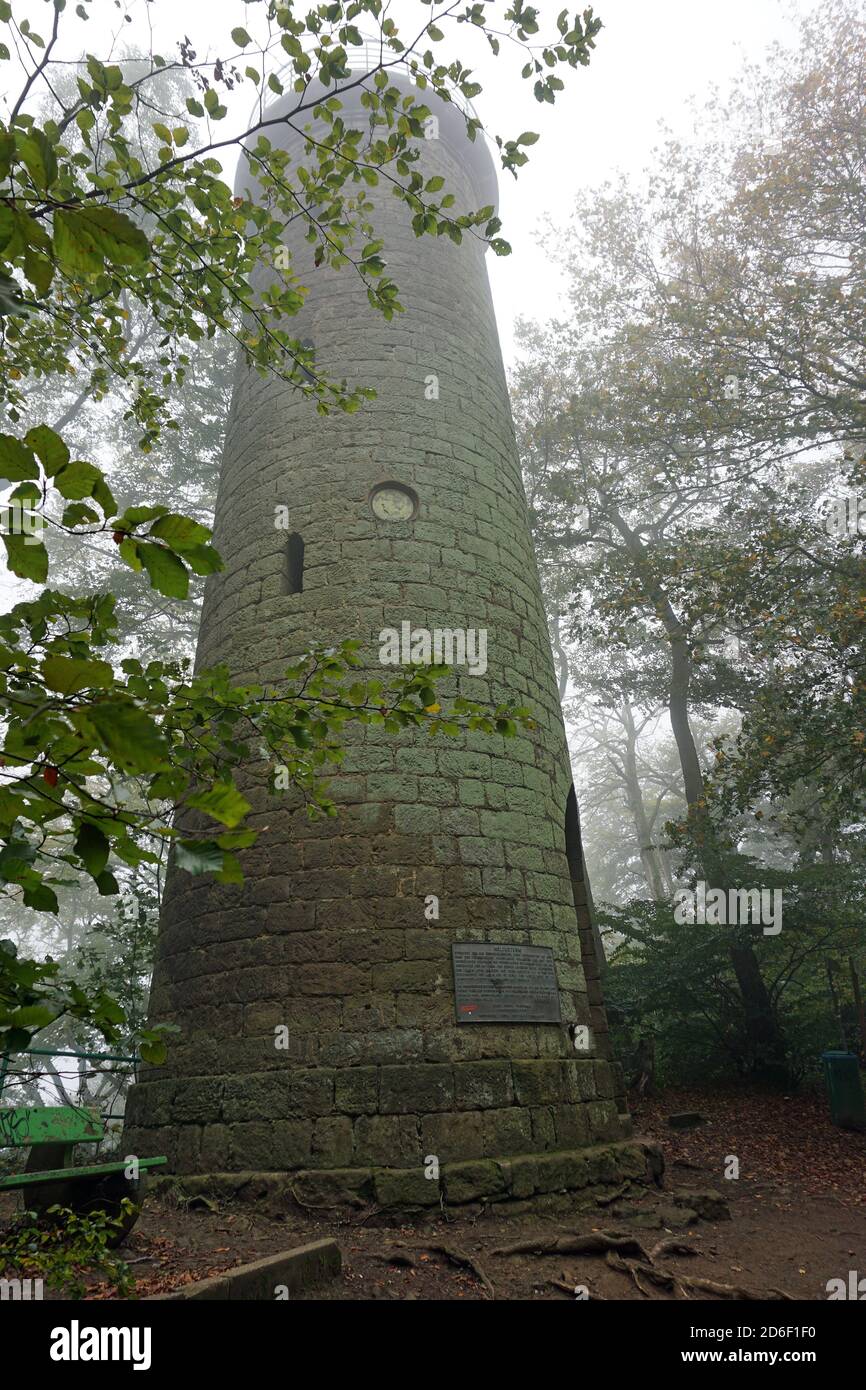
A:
{"points": [[393, 502]]}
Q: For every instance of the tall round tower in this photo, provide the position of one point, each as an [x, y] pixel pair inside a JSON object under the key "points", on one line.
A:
{"points": [[427, 957]]}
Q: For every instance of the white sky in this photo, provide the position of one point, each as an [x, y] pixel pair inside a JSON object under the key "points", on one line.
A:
{"points": [[649, 60]]}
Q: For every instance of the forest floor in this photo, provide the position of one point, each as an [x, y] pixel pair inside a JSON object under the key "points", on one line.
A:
{"points": [[797, 1219]]}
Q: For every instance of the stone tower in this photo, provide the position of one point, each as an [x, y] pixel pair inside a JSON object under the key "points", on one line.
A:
{"points": [[387, 1062]]}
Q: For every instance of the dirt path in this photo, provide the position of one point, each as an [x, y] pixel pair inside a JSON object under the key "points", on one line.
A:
{"points": [[777, 1238], [798, 1219]]}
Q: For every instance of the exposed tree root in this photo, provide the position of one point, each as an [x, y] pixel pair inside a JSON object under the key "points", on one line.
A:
{"points": [[735, 1290], [596, 1244], [669, 1281], [615, 1248], [672, 1247], [632, 1268]]}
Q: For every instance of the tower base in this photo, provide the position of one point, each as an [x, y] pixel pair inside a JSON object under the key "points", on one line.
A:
{"points": [[536, 1178]]}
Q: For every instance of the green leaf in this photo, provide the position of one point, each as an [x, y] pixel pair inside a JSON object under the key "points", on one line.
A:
{"points": [[223, 802], [37, 156], [10, 297], [198, 856], [39, 270], [12, 238], [11, 808], [203, 559], [27, 558], [133, 516], [27, 491], [104, 496], [7, 152], [241, 37], [168, 785], [33, 1016], [180, 532], [128, 552], [86, 238], [92, 848], [108, 1010], [41, 898], [52, 452], [16, 461], [194, 107], [154, 1053], [231, 871], [78, 480], [68, 675], [167, 574], [15, 856], [107, 884], [79, 514], [126, 733]]}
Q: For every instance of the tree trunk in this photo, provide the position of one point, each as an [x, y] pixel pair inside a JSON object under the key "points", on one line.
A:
{"points": [[634, 797], [765, 1041]]}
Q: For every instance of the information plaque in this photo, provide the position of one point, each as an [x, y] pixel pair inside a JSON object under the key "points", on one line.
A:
{"points": [[504, 984]]}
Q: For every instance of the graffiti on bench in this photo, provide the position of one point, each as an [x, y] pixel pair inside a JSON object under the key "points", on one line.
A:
{"points": [[14, 1127]]}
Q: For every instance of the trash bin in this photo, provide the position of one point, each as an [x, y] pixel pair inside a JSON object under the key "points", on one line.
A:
{"points": [[842, 1074]]}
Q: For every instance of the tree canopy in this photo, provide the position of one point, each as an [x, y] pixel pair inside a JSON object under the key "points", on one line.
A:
{"points": [[693, 429]]}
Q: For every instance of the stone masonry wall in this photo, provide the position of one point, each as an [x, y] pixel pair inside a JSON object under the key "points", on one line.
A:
{"points": [[327, 936]]}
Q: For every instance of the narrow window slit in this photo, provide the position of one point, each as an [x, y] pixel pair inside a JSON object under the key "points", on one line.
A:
{"points": [[293, 565]]}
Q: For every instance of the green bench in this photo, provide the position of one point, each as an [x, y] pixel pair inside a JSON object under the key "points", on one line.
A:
{"points": [[50, 1178]]}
